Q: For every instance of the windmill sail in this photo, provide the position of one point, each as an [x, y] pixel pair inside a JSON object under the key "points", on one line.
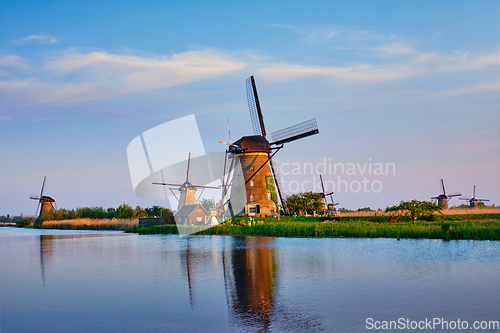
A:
{"points": [[277, 180], [286, 135], [254, 107], [295, 132]]}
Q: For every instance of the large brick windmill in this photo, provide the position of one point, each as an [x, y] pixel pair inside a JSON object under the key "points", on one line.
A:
{"points": [[47, 202], [473, 202], [251, 156], [443, 198]]}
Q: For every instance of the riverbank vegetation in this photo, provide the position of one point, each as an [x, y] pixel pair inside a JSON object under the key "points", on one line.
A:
{"points": [[448, 227], [91, 224], [119, 218]]}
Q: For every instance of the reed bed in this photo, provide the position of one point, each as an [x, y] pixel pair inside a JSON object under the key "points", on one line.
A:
{"points": [[487, 228], [91, 224], [453, 211]]}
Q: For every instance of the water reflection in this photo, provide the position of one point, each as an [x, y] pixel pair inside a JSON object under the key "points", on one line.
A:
{"points": [[250, 271], [249, 274], [131, 283]]}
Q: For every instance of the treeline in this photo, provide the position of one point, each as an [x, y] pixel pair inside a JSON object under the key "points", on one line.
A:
{"points": [[123, 211], [5, 218], [305, 203]]}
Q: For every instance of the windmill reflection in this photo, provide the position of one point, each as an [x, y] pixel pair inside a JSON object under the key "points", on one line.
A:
{"points": [[46, 252], [187, 261], [249, 273]]}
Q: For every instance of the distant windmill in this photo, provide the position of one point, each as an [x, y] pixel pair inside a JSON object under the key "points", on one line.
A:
{"points": [[443, 198], [254, 155], [187, 190], [324, 194], [473, 202], [47, 202]]}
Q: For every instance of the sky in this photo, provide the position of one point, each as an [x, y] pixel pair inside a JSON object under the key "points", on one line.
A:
{"points": [[406, 90]]}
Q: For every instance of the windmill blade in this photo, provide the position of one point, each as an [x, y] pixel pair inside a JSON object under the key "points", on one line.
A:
{"points": [[295, 132], [322, 187], [482, 200], [474, 191], [435, 198], [277, 181], [468, 199], [203, 186], [229, 132], [168, 184], [254, 107], [335, 204], [187, 169], [454, 195], [329, 193], [43, 185], [34, 197], [37, 207], [442, 186]]}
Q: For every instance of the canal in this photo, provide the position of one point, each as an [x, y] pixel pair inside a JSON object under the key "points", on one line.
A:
{"points": [[76, 281]]}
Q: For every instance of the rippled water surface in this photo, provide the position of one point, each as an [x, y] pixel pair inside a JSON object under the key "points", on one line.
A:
{"points": [[59, 281]]}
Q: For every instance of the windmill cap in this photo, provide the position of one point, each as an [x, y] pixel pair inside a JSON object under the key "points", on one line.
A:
{"points": [[254, 143], [47, 199]]}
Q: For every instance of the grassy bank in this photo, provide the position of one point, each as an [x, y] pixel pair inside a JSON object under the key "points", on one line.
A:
{"points": [[91, 224], [481, 227]]}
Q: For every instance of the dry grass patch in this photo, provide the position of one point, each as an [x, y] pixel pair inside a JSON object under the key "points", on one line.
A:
{"points": [[94, 224]]}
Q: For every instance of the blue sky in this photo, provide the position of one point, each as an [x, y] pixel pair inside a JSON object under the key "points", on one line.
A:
{"points": [[410, 83]]}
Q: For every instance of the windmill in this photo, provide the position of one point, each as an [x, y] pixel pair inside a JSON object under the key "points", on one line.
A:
{"points": [[47, 202], [187, 190], [324, 194], [473, 202], [443, 198], [253, 156]]}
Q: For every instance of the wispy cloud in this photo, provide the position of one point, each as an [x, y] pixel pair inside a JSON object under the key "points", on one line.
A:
{"points": [[395, 48], [38, 38], [420, 64], [74, 76], [13, 61], [465, 90], [344, 37]]}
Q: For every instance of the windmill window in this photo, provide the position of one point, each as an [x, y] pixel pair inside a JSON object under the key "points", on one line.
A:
{"points": [[254, 209], [252, 183], [252, 198], [251, 168]]}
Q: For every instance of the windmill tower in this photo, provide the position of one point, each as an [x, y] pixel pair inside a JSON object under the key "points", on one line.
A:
{"points": [[324, 194], [443, 198], [261, 184], [187, 190], [45, 201], [473, 202]]}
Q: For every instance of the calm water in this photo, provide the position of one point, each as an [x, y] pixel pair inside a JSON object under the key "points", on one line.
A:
{"points": [[56, 281]]}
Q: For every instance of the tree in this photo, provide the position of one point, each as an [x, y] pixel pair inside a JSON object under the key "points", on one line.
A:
{"points": [[23, 222], [124, 211], [207, 203], [140, 212], [155, 211], [310, 202], [414, 208], [111, 213]]}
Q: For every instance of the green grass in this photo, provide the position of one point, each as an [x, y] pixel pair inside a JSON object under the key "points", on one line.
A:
{"points": [[479, 227]]}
